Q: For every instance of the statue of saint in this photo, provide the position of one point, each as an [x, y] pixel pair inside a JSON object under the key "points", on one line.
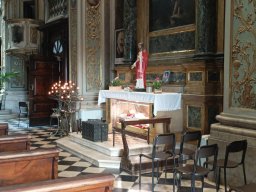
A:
{"points": [[141, 65]]}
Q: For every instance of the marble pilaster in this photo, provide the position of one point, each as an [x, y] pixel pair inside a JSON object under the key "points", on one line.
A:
{"points": [[130, 31], [206, 27], [238, 119]]}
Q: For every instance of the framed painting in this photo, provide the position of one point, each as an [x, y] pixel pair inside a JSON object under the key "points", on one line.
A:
{"points": [[166, 77], [166, 14], [119, 46]]}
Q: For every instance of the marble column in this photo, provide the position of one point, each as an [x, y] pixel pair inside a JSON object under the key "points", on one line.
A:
{"points": [[206, 24], [130, 31]]}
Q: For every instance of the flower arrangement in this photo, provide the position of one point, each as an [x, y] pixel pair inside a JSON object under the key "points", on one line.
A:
{"points": [[157, 83], [116, 82]]}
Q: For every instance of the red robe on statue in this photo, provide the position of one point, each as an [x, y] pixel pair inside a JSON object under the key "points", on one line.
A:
{"points": [[141, 66]]}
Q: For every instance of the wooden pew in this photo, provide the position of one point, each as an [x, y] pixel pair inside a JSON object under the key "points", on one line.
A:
{"points": [[28, 166], [4, 128], [19, 142], [84, 183]]}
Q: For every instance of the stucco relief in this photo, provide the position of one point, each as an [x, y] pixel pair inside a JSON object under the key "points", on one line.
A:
{"points": [[73, 37], [243, 66], [93, 65]]}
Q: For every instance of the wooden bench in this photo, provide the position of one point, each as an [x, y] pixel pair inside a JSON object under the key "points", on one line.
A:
{"points": [[19, 142], [28, 166], [4, 128], [84, 183]]}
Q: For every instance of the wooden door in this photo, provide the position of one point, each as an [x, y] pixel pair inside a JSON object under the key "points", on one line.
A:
{"points": [[42, 74]]}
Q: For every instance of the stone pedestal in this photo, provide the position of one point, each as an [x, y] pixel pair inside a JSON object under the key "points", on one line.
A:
{"points": [[233, 128]]}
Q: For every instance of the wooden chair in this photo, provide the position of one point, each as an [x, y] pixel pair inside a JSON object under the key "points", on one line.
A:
{"points": [[23, 111]]}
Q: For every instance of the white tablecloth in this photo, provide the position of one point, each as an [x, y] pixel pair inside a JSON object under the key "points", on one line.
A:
{"points": [[161, 102]]}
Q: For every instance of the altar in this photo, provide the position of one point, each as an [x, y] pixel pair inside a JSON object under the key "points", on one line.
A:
{"points": [[139, 105]]}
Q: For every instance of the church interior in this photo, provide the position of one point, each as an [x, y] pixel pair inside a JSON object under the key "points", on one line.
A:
{"points": [[127, 95]]}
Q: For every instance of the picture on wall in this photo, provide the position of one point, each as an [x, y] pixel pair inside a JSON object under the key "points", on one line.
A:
{"points": [[166, 77], [171, 13], [119, 46]]}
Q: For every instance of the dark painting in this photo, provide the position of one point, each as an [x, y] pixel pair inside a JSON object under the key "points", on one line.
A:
{"points": [[171, 13], [17, 34], [119, 14]]}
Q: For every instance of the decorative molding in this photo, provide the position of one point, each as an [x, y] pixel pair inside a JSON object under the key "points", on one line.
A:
{"points": [[93, 47], [243, 56], [73, 40]]}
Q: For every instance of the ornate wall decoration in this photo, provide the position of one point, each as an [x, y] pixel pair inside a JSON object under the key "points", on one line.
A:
{"points": [[17, 64], [93, 48], [73, 40], [243, 66]]}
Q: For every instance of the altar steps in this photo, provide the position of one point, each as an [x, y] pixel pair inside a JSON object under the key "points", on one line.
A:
{"points": [[7, 114], [102, 154]]}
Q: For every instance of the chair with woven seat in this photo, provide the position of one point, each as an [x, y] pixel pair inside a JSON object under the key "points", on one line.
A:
{"points": [[190, 141], [163, 149], [55, 115], [23, 111], [195, 170], [226, 163]]}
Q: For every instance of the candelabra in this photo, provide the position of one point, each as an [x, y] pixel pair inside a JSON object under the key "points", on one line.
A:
{"points": [[68, 97]]}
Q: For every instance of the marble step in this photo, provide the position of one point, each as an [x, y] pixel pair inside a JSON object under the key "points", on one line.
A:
{"points": [[102, 154], [96, 158], [7, 114], [136, 145]]}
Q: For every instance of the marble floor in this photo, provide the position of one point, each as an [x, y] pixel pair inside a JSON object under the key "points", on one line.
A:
{"points": [[71, 166]]}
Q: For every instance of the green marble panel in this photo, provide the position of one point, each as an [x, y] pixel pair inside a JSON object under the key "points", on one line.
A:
{"points": [[177, 77], [194, 117], [195, 76]]}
